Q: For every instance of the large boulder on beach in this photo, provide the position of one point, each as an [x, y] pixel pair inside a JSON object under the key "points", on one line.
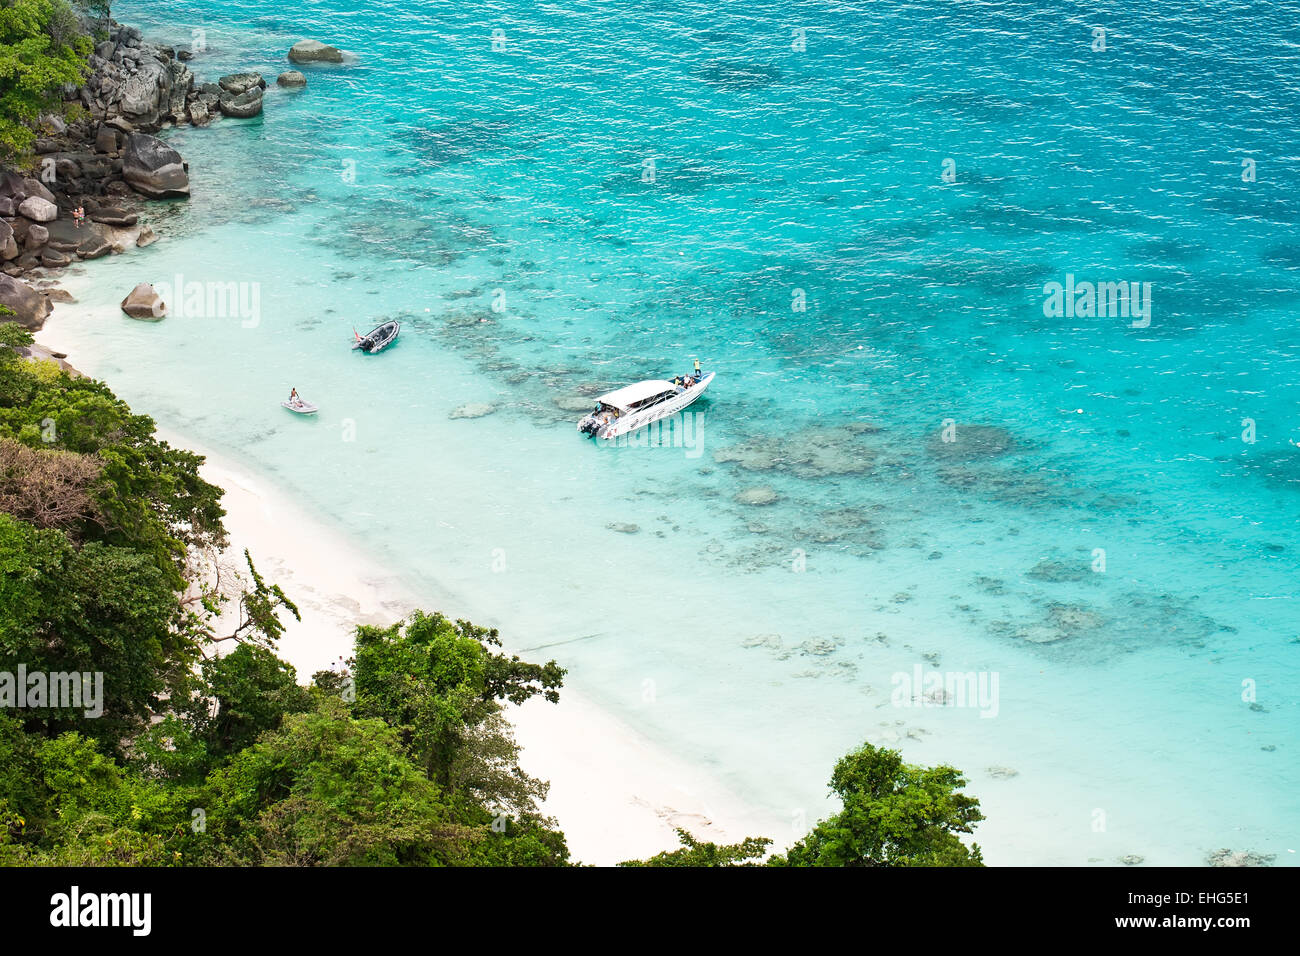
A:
{"points": [[54, 259], [244, 106], [154, 168], [236, 83], [28, 306], [38, 210], [8, 244], [291, 79], [94, 247], [37, 236], [113, 216], [11, 187], [143, 302], [34, 187], [313, 51], [147, 237]]}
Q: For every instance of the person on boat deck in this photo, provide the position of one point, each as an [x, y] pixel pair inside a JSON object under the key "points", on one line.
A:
{"points": [[698, 374], [294, 397]]}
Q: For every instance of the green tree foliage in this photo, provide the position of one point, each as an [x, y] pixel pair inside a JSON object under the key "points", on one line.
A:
{"points": [[99, 608], [242, 695], [693, 852], [148, 496], [326, 789], [440, 683], [41, 48], [895, 814], [64, 803]]}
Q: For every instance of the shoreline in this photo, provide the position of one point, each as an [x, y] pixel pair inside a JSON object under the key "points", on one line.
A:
{"points": [[616, 794]]}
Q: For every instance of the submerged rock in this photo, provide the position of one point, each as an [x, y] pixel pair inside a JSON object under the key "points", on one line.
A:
{"points": [[970, 442], [623, 527], [1226, 857], [817, 452], [292, 79], [759, 495], [1057, 571], [573, 403], [472, 410]]}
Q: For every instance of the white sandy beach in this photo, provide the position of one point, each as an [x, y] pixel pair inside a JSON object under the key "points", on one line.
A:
{"points": [[616, 795]]}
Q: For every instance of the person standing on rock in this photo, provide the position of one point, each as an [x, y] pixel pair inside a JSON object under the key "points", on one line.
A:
{"points": [[78, 216]]}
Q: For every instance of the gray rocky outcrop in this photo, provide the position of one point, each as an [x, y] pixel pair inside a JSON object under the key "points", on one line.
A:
{"points": [[94, 247], [313, 51], [28, 306], [237, 83], [244, 106], [38, 210]]}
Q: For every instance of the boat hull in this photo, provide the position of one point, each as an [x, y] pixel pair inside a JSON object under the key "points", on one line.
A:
{"points": [[627, 424]]}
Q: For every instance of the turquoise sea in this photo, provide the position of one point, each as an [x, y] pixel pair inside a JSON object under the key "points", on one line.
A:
{"points": [[604, 191]]}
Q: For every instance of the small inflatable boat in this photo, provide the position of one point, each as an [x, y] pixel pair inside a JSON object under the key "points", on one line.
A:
{"points": [[378, 338], [300, 407]]}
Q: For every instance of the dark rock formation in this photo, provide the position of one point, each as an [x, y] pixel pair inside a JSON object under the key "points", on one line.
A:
{"points": [[154, 168], [29, 307]]}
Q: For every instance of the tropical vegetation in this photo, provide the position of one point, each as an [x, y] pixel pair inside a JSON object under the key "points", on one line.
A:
{"points": [[210, 751]]}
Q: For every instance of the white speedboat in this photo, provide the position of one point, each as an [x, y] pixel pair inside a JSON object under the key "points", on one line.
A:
{"points": [[635, 406]]}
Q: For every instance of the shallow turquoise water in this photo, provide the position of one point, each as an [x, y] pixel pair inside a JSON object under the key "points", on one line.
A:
{"points": [[436, 176]]}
